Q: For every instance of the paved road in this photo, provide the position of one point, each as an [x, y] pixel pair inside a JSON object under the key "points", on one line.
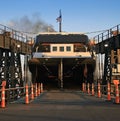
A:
{"points": [[62, 106]]}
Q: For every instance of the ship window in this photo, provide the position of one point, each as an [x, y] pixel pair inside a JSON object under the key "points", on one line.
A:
{"points": [[54, 48], [61, 49], [68, 48]]}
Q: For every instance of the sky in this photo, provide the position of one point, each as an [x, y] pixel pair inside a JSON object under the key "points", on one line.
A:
{"points": [[77, 15]]}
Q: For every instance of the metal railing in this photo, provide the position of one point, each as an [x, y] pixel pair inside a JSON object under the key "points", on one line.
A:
{"points": [[9, 95], [15, 40], [14, 33], [107, 34], [110, 93]]}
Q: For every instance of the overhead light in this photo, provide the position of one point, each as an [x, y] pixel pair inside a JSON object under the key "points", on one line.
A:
{"points": [[18, 46], [46, 59], [106, 45]]}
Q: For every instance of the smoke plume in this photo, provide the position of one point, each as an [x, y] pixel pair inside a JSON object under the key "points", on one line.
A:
{"points": [[32, 25]]}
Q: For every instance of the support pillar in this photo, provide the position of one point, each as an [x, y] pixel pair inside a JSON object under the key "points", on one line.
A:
{"points": [[60, 72], [118, 55]]}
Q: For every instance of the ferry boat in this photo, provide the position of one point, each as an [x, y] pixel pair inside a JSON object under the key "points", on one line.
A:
{"points": [[62, 60]]}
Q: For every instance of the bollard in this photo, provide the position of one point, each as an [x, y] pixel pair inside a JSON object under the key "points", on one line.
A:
{"points": [[32, 92], [3, 97], [27, 95], [99, 92], [108, 92], [117, 94], [93, 91]]}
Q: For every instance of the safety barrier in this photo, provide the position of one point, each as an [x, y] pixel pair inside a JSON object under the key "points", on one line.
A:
{"points": [[28, 91], [109, 92]]}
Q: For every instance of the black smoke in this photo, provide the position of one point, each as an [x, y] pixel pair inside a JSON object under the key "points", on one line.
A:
{"points": [[32, 25]]}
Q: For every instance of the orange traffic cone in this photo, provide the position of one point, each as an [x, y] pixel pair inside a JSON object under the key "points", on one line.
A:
{"points": [[27, 95], [41, 87], [93, 92], [38, 91], [88, 88], [3, 97], [83, 87], [36, 94], [32, 92], [99, 92], [108, 92], [117, 94]]}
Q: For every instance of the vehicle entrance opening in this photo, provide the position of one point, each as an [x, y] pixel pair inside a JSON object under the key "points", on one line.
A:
{"points": [[70, 74]]}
